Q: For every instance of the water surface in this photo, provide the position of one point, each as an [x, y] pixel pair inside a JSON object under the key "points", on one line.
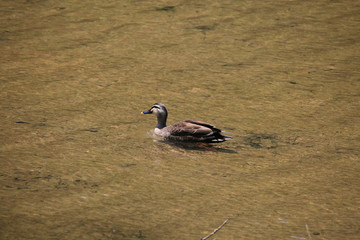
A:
{"points": [[78, 162]]}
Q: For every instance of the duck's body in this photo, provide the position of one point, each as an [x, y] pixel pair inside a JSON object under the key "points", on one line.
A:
{"points": [[187, 130]]}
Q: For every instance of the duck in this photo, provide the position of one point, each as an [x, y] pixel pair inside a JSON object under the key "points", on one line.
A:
{"points": [[186, 130]]}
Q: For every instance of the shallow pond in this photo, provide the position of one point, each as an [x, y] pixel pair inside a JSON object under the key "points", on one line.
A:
{"points": [[78, 161]]}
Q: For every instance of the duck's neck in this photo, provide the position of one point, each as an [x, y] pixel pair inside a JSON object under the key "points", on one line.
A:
{"points": [[161, 121]]}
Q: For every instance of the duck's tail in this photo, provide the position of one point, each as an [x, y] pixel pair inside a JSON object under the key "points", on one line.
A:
{"points": [[218, 138]]}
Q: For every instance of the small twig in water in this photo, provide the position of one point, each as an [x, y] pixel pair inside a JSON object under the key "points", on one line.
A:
{"points": [[216, 229], [308, 232]]}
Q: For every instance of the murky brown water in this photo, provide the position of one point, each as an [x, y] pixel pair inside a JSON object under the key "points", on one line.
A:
{"points": [[77, 159]]}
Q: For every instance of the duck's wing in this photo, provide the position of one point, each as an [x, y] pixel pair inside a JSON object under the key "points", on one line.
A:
{"points": [[195, 131], [192, 128]]}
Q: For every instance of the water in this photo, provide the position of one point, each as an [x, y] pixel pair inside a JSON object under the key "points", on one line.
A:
{"points": [[77, 158]]}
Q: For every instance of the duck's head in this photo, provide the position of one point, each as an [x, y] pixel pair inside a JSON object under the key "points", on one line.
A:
{"points": [[158, 109]]}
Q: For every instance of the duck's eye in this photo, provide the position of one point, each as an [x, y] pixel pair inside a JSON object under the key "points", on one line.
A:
{"points": [[156, 107]]}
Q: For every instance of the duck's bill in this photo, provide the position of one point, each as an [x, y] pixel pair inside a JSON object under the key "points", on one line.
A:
{"points": [[146, 112]]}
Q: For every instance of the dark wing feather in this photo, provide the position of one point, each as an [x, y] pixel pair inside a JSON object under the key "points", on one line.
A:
{"points": [[212, 127], [191, 130]]}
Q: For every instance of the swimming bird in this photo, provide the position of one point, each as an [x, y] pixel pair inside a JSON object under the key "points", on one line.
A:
{"points": [[187, 130]]}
